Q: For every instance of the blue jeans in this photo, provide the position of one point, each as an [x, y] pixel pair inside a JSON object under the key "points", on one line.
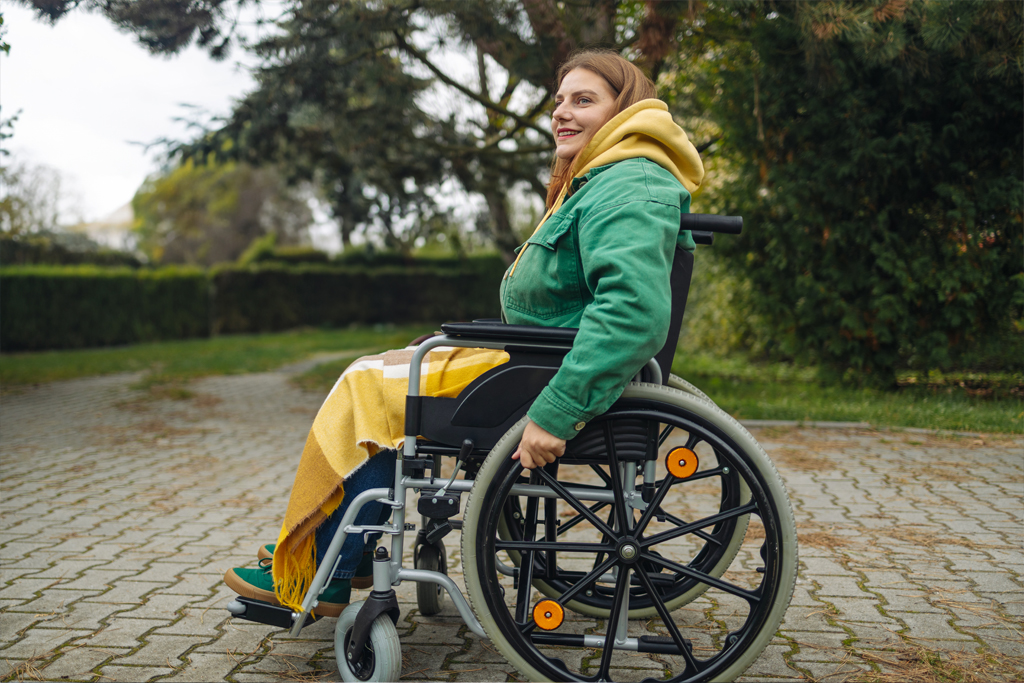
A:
{"points": [[378, 472]]}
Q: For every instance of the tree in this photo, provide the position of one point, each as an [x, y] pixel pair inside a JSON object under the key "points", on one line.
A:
{"points": [[389, 103], [875, 149], [31, 199], [206, 214]]}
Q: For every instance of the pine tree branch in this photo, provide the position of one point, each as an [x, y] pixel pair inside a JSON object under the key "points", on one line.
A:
{"points": [[476, 97]]}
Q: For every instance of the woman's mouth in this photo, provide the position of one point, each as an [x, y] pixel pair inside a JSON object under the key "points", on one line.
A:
{"points": [[567, 133]]}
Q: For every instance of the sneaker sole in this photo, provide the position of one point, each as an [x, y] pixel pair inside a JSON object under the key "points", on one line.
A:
{"points": [[235, 583], [357, 582]]}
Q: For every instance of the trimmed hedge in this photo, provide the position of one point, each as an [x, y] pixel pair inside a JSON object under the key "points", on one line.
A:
{"points": [[35, 250], [50, 307], [273, 297]]}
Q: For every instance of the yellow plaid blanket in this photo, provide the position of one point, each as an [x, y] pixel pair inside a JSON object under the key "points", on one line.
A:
{"points": [[363, 414]]}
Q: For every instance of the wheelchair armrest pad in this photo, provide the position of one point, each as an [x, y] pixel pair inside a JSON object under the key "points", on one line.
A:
{"points": [[512, 333]]}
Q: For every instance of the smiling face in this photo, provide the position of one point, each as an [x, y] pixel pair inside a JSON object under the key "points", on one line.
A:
{"points": [[584, 102]]}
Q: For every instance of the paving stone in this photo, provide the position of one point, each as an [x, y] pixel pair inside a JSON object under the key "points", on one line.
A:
{"points": [[39, 641], [127, 592], [206, 667], [928, 626], [77, 663], [131, 674], [87, 504], [123, 632], [160, 650]]}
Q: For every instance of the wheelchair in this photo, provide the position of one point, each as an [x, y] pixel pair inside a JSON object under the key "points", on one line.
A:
{"points": [[660, 547]]}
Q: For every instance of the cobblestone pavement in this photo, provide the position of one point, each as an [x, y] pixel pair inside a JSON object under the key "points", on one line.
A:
{"points": [[121, 510]]}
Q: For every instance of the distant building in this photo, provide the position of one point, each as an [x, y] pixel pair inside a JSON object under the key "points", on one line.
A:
{"points": [[113, 231]]}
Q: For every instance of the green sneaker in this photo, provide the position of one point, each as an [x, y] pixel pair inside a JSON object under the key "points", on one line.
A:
{"points": [[258, 584], [364, 572]]}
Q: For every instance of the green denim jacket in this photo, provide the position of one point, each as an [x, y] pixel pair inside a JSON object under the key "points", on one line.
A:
{"points": [[600, 263]]}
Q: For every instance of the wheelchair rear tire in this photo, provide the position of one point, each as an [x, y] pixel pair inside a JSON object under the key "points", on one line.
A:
{"points": [[735, 618]]}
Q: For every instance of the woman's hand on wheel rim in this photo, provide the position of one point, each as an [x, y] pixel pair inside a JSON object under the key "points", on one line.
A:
{"points": [[538, 447]]}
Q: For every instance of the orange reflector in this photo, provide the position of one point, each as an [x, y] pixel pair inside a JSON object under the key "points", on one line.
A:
{"points": [[548, 614], [681, 462]]}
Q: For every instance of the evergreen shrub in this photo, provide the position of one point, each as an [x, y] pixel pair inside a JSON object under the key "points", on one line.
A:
{"points": [[269, 297], [876, 155], [42, 250], [52, 307]]}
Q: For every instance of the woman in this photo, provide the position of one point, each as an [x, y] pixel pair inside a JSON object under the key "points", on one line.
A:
{"points": [[599, 261]]}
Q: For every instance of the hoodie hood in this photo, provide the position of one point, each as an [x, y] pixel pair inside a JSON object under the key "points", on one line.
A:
{"points": [[645, 130]]}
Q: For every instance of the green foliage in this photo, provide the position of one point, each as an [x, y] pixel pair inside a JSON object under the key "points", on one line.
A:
{"points": [[269, 297], [876, 153], [43, 249], [264, 249], [70, 307], [209, 213], [47, 307]]}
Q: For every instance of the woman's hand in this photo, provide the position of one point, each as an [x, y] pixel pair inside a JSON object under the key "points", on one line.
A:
{"points": [[538, 447]]}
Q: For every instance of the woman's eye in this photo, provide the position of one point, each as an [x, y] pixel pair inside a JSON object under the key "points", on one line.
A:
{"points": [[583, 100]]}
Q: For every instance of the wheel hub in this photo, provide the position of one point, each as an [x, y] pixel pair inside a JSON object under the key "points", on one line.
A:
{"points": [[628, 550]]}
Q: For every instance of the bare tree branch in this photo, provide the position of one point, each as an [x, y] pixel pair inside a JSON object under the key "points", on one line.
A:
{"points": [[476, 97]]}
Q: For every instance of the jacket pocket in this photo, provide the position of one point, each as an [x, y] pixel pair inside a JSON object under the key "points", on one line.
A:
{"points": [[546, 281]]}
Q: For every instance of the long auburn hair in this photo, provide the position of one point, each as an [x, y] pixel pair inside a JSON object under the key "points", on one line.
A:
{"points": [[629, 83]]}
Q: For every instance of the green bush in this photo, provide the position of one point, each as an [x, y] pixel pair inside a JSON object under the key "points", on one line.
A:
{"points": [[47, 307], [877, 160], [50, 307], [269, 297], [42, 250]]}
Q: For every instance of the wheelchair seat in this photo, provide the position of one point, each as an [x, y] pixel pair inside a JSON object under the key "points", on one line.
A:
{"points": [[499, 398]]}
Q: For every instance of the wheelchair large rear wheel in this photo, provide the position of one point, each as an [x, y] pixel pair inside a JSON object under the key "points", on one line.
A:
{"points": [[722, 542], [642, 552]]}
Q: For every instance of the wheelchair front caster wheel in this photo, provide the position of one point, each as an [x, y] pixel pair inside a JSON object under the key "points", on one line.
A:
{"points": [[430, 596], [382, 656]]}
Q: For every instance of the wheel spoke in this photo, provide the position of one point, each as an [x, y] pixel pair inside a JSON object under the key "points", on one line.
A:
{"points": [[572, 500], [665, 433], [699, 533], [721, 585], [547, 546], [616, 476], [666, 617], [621, 587], [526, 563], [602, 474], [699, 524], [579, 518]]}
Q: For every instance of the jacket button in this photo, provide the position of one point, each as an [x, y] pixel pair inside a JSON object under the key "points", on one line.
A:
{"points": [[579, 425]]}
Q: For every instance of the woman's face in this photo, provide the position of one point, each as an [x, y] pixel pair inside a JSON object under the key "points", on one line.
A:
{"points": [[584, 102]]}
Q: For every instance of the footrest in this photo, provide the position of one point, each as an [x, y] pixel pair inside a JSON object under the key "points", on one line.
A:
{"points": [[263, 613]]}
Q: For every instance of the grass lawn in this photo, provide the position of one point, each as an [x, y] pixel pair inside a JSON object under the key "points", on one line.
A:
{"points": [[178, 361], [744, 389], [777, 391]]}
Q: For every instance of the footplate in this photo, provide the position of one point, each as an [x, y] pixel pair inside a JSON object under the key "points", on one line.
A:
{"points": [[263, 613]]}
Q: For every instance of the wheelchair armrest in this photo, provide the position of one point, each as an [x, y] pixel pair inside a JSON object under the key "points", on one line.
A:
{"points": [[511, 333]]}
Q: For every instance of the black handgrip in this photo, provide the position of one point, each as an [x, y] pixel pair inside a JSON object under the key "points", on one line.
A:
{"points": [[706, 222], [705, 238]]}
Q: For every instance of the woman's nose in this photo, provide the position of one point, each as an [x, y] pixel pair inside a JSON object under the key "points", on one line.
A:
{"points": [[561, 113]]}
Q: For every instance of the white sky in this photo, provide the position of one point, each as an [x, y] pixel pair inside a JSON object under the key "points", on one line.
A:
{"points": [[87, 91]]}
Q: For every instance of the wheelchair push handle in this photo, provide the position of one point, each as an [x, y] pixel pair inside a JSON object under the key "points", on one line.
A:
{"points": [[707, 222]]}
